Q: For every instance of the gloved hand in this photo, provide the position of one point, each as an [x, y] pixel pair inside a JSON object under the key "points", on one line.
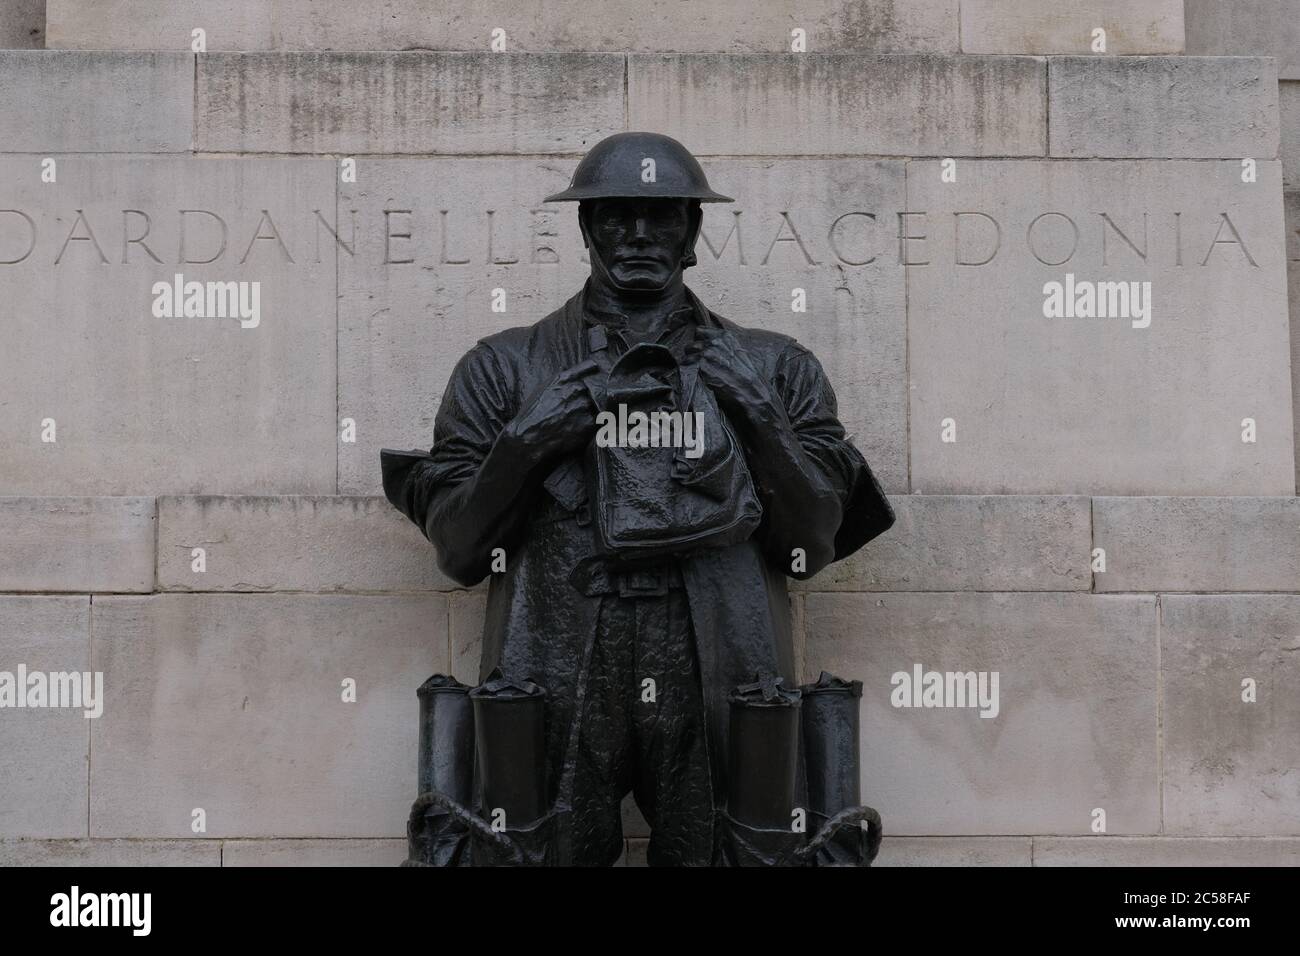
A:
{"points": [[727, 369], [559, 419]]}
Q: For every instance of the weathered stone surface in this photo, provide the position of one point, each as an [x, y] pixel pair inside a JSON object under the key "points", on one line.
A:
{"points": [[410, 307], [954, 851], [22, 26], [634, 822], [1246, 28], [146, 25], [1095, 405], [1291, 203], [1292, 207], [1076, 723], [1198, 544], [166, 405], [1230, 767], [825, 226], [467, 611], [43, 786], [1162, 106], [972, 543], [636, 854], [411, 102], [924, 105], [1293, 284], [77, 544], [1066, 26], [72, 102], [110, 853], [1165, 851], [293, 543], [902, 26], [233, 703], [1288, 104], [799, 632], [312, 852]]}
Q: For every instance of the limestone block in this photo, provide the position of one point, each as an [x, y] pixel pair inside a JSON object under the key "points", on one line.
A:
{"points": [[468, 609], [858, 104], [410, 102], [77, 544], [1198, 544], [1075, 724], [142, 403], [899, 26], [636, 855], [81, 853], [1065, 26], [83, 102], [1163, 106], [147, 25], [953, 851], [1246, 28], [292, 543], [43, 787], [1292, 206], [1288, 93], [435, 237], [634, 822], [1165, 851], [1291, 203], [971, 543], [22, 26], [1097, 405], [798, 631], [1231, 767], [234, 704], [313, 852]]}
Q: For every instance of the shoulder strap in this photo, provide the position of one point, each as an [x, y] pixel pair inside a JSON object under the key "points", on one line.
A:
{"points": [[690, 375], [598, 349], [598, 342]]}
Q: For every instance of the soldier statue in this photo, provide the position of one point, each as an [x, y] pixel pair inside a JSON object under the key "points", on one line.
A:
{"points": [[638, 632]]}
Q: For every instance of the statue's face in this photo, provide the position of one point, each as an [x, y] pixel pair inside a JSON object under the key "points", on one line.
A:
{"points": [[640, 242]]}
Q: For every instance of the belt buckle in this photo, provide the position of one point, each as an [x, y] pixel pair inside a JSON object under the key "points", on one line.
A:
{"points": [[643, 582]]}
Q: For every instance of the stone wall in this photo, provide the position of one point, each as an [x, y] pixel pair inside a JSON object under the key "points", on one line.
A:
{"points": [[206, 527], [22, 24]]}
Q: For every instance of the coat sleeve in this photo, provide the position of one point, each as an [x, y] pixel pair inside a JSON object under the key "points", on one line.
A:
{"points": [[466, 494], [810, 405]]}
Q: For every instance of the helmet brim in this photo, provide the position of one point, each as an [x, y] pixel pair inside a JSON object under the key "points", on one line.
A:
{"points": [[579, 193]]}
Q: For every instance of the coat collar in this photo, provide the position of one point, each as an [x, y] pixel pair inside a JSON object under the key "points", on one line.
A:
{"points": [[577, 311]]}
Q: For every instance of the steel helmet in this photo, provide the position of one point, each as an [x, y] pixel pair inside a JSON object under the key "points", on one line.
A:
{"points": [[614, 168]]}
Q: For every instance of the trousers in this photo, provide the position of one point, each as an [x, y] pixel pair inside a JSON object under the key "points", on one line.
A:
{"points": [[643, 732]]}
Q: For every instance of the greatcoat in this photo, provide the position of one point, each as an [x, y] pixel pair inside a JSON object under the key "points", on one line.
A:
{"points": [[542, 611]]}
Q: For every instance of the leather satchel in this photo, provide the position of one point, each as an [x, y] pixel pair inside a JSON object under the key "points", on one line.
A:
{"points": [[650, 502]]}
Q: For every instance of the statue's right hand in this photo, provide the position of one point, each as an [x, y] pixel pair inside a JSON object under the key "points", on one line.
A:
{"points": [[560, 418]]}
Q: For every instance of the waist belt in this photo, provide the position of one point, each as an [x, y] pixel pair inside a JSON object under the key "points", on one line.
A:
{"points": [[594, 577]]}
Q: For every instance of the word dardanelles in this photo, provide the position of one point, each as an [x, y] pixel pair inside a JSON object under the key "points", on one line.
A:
{"points": [[398, 237]]}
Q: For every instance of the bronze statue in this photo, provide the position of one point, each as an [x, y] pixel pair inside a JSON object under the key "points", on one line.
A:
{"points": [[638, 634]]}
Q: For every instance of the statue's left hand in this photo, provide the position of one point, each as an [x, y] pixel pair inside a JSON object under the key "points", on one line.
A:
{"points": [[726, 367]]}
